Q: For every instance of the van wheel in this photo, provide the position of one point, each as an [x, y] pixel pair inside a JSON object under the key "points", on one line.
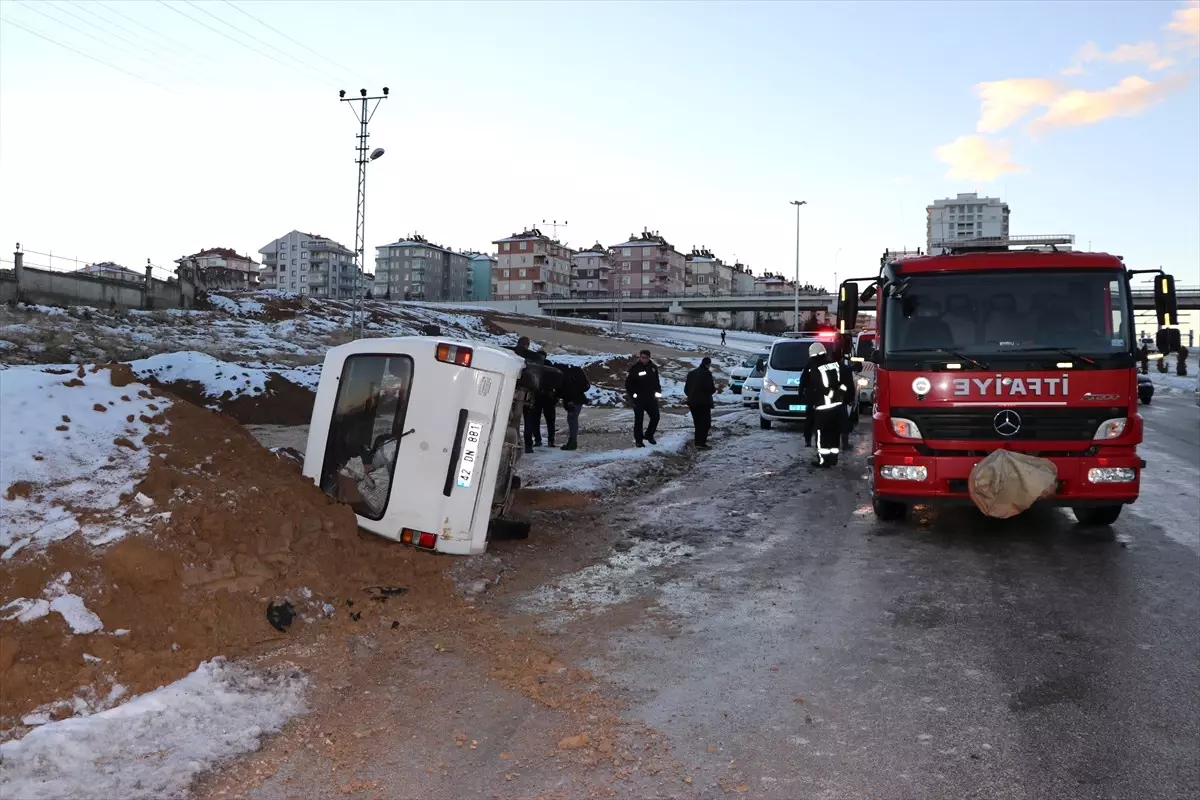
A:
{"points": [[888, 510], [764, 423], [1102, 515], [502, 529]]}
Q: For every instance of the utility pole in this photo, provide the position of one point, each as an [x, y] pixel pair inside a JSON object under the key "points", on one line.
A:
{"points": [[555, 225], [796, 309], [360, 210]]}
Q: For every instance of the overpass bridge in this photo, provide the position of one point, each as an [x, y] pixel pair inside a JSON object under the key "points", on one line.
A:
{"points": [[1188, 298]]}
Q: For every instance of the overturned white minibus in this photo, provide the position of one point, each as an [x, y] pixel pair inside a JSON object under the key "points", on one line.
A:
{"points": [[420, 435]]}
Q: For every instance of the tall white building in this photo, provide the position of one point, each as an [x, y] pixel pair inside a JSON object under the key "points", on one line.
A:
{"points": [[967, 216], [307, 263]]}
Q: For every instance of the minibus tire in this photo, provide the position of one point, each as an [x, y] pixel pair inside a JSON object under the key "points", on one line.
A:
{"points": [[509, 529], [764, 423]]}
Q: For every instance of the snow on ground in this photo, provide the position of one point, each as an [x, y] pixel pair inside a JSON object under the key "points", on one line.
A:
{"points": [[57, 599], [1167, 497], [67, 441], [154, 745], [241, 307], [607, 456], [217, 377], [1170, 382]]}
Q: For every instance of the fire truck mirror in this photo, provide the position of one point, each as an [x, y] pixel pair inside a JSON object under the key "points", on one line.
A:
{"points": [[847, 307], [868, 294], [1166, 306], [1167, 340]]}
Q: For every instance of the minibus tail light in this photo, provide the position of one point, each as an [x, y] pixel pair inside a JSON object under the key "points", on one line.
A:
{"points": [[454, 354], [425, 541]]}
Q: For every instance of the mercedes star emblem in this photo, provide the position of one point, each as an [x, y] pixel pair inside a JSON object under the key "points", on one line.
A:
{"points": [[1007, 422]]}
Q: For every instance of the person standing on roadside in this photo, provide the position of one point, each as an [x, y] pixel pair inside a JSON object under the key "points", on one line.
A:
{"points": [[573, 391], [546, 405], [824, 393], [530, 416], [644, 388], [699, 389], [722, 337]]}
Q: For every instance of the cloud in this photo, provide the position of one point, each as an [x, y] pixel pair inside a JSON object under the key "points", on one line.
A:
{"points": [[1130, 97], [1185, 22], [1147, 53], [976, 158], [1005, 102]]}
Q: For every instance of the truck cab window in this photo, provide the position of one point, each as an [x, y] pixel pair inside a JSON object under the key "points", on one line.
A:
{"points": [[365, 431]]}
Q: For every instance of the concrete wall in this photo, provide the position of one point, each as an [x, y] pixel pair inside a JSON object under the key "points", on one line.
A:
{"points": [[45, 287]]}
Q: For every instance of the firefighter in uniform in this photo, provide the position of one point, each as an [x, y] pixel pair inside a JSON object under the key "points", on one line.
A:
{"points": [[825, 392]]}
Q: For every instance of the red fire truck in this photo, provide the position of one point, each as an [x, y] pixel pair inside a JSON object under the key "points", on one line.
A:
{"points": [[1016, 343]]}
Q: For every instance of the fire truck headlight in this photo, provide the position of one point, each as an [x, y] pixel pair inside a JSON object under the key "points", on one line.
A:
{"points": [[1111, 428], [897, 472], [905, 428], [1112, 475]]}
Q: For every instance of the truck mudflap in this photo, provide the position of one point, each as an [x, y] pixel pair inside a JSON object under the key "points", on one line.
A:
{"points": [[1083, 481]]}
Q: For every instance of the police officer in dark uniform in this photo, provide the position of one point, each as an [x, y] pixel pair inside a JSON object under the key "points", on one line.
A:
{"points": [[644, 388]]}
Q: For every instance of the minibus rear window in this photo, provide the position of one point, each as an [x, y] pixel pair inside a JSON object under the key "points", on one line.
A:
{"points": [[365, 431]]}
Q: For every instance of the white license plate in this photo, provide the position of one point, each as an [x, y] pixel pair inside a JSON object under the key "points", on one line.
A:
{"points": [[470, 454]]}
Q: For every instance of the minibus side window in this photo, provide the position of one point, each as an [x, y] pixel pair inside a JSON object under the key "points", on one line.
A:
{"points": [[365, 431]]}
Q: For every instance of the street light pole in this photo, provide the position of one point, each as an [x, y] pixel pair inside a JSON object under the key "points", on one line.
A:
{"points": [[796, 308], [360, 209], [835, 269]]}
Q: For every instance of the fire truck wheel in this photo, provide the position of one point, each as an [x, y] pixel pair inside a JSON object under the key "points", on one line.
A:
{"points": [[889, 510], [1102, 515]]}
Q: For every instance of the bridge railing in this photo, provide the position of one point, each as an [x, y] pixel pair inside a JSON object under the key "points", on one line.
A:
{"points": [[614, 297]]}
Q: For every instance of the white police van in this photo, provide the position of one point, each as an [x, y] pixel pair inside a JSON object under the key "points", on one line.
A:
{"points": [[739, 374]]}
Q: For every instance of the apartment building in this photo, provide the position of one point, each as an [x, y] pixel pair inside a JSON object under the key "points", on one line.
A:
{"points": [[590, 272], [965, 216], [707, 274], [310, 264], [530, 265], [743, 279], [219, 268], [648, 265], [413, 268], [481, 275], [111, 271], [770, 283]]}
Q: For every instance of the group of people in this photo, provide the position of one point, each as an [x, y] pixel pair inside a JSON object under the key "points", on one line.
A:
{"points": [[571, 391], [827, 384]]}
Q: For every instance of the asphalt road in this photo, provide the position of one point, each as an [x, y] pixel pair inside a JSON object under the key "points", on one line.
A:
{"points": [[794, 647], [1172, 422]]}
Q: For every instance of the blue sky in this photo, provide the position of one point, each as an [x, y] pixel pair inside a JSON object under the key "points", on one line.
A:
{"points": [[698, 120]]}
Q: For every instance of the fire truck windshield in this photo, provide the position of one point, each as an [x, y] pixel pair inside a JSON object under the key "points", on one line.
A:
{"points": [[994, 314]]}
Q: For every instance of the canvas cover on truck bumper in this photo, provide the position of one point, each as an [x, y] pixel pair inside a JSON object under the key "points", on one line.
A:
{"points": [[945, 481]]}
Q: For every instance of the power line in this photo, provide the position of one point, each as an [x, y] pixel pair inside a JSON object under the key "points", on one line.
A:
{"points": [[155, 64], [293, 41], [227, 36], [85, 55], [162, 36], [158, 47]]}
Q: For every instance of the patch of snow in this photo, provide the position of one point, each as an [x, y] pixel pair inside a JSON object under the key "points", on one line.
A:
{"points": [[238, 306], [595, 471], [60, 463], [155, 745], [70, 606], [219, 378]]}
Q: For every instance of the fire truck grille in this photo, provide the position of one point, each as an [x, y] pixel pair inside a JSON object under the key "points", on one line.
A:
{"points": [[1035, 424]]}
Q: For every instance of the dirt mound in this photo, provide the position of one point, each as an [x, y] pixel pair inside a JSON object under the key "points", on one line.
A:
{"points": [[239, 528], [283, 402]]}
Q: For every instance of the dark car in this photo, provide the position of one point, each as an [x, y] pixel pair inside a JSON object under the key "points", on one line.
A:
{"points": [[1145, 389]]}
